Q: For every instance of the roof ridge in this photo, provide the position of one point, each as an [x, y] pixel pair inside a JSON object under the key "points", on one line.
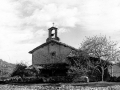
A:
{"points": [[50, 42]]}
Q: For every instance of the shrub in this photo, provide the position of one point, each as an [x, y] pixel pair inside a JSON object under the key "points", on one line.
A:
{"points": [[19, 70], [114, 79], [14, 79], [78, 79], [32, 80], [56, 79], [18, 79]]}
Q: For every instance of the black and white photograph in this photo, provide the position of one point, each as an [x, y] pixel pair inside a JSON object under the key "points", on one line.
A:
{"points": [[59, 44]]}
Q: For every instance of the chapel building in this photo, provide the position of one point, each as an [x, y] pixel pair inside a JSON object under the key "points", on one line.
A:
{"points": [[52, 51]]}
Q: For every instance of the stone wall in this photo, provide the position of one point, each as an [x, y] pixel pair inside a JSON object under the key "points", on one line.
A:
{"points": [[51, 53]]}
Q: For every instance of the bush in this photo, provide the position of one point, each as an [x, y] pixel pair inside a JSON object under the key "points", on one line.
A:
{"points": [[14, 79], [18, 79], [56, 79], [19, 70], [32, 80], [114, 79], [78, 79]]}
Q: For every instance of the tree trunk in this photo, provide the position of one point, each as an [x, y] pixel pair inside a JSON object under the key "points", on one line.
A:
{"points": [[102, 73]]}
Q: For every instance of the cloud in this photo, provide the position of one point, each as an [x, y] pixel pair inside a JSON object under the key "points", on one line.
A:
{"points": [[25, 23], [93, 15], [102, 15], [11, 33], [38, 17], [42, 15]]}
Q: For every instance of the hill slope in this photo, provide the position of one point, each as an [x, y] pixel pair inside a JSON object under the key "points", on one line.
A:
{"points": [[6, 68]]}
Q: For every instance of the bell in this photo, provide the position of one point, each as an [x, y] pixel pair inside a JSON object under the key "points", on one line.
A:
{"points": [[52, 34]]}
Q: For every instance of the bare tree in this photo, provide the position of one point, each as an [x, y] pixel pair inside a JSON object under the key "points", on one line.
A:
{"points": [[102, 48]]}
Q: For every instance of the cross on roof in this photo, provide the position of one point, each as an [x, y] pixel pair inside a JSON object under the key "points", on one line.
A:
{"points": [[53, 24]]}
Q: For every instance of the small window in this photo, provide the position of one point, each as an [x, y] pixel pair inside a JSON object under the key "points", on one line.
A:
{"points": [[53, 53]]}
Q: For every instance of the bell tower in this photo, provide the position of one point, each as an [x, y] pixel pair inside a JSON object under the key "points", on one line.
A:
{"points": [[52, 34]]}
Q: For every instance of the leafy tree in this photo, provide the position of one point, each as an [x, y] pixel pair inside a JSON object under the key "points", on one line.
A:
{"points": [[79, 64], [19, 70], [102, 48]]}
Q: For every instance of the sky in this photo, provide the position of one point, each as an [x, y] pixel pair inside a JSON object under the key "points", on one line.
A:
{"points": [[24, 24]]}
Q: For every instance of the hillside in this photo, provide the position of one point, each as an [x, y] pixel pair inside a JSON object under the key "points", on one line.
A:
{"points": [[5, 68]]}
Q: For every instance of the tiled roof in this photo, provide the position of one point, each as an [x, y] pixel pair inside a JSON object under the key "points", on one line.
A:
{"points": [[55, 41]]}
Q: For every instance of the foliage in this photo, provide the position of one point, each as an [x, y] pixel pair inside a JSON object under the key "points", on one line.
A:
{"points": [[79, 65], [34, 71], [19, 70], [24, 74], [32, 74], [80, 79], [95, 74], [83, 65], [114, 79], [23, 71], [57, 79], [18, 79], [102, 48], [93, 86], [14, 79]]}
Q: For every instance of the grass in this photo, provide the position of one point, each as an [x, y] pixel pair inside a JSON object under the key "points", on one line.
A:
{"points": [[97, 84], [65, 86]]}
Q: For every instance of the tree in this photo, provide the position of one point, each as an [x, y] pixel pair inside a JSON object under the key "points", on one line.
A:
{"points": [[79, 65], [19, 70], [102, 48]]}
